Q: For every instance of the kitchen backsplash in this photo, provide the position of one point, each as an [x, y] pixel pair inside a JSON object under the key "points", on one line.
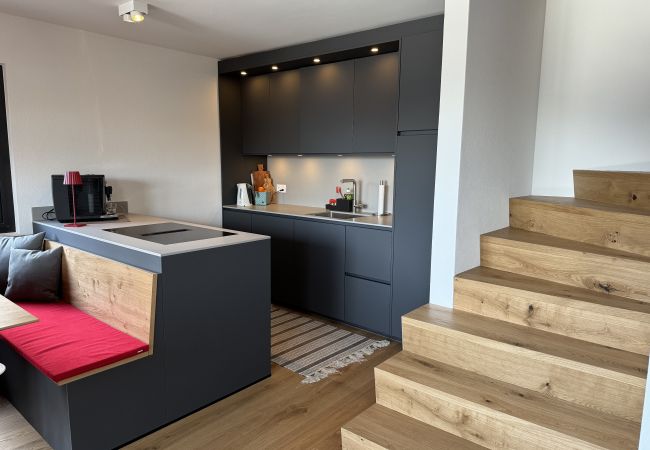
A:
{"points": [[312, 180]]}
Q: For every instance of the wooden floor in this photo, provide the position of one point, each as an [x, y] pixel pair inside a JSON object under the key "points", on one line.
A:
{"points": [[277, 413], [15, 432]]}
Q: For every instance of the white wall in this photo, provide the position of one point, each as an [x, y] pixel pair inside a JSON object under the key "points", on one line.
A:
{"points": [[594, 109], [488, 114], [312, 180], [144, 116]]}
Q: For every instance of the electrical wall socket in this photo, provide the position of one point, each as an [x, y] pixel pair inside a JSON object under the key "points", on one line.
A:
{"points": [[282, 188]]}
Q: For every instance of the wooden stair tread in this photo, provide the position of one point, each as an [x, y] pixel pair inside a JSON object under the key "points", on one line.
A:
{"points": [[598, 268], [528, 237], [582, 423], [578, 203], [604, 225], [615, 361], [384, 428], [613, 187], [621, 306]]}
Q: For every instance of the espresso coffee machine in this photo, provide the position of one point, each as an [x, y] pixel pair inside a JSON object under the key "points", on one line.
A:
{"points": [[90, 197]]}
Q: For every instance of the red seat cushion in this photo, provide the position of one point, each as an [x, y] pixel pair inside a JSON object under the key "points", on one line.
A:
{"points": [[66, 341]]}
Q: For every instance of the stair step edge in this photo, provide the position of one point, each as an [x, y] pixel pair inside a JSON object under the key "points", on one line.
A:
{"points": [[635, 377], [531, 238], [572, 297], [524, 402], [386, 428]]}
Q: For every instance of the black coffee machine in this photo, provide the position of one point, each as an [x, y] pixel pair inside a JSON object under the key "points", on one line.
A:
{"points": [[90, 195]]}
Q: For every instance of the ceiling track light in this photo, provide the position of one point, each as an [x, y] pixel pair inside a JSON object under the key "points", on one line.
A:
{"points": [[133, 11]]}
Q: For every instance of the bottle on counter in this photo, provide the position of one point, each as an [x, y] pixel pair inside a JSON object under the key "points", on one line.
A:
{"points": [[348, 195]]}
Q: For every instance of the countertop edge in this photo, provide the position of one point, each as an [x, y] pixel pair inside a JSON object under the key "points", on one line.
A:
{"points": [[192, 247], [244, 209]]}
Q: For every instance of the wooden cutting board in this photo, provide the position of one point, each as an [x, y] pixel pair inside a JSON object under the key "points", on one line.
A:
{"points": [[258, 176]]}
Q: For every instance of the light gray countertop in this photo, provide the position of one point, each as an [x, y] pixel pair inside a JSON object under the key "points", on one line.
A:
{"points": [[307, 211], [97, 230]]}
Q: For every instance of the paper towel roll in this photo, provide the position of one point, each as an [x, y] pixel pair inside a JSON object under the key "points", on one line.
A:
{"points": [[381, 198]]}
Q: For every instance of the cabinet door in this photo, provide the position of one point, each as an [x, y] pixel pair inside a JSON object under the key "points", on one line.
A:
{"points": [[282, 270], [367, 304], [284, 112], [369, 253], [255, 114], [419, 96], [326, 108], [376, 81], [320, 267], [236, 220], [415, 162]]}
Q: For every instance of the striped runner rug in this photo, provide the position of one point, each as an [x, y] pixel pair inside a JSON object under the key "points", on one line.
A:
{"points": [[315, 349]]}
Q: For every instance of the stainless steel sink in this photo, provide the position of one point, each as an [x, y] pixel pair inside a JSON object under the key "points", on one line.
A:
{"points": [[339, 215]]}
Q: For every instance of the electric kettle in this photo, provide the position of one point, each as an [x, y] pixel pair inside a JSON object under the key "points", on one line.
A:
{"points": [[242, 194]]}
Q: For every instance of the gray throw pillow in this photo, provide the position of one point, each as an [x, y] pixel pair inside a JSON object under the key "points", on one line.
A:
{"points": [[34, 275], [31, 242]]}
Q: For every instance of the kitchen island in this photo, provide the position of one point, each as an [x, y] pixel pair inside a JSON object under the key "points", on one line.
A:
{"points": [[212, 329]]}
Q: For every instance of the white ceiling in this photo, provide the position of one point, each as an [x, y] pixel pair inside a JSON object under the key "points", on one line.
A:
{"points": [[224, 28]]}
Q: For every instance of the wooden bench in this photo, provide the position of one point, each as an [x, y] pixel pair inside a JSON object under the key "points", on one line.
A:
{"points": [[115, 294], [119, 295]]}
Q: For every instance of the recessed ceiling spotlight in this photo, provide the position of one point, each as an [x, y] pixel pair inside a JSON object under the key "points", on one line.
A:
{"points": [[274, 67], [375, 49], [299, 155], [133, 11], [243, 73], [316, 60]]}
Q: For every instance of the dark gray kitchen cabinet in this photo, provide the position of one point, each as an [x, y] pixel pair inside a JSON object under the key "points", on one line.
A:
{"points": [[327, 108], [282, 270], [369, 253], [367, 304], [415, 163], [319, 252], [419, 98], [284, 112], [376, 84], [255, 113], [236, 220]]}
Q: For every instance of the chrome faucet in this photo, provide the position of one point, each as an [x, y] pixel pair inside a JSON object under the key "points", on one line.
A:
{"points": [[356, 204]]}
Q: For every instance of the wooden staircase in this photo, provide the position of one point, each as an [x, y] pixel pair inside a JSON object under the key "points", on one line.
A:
{"points": [[547, 344]]}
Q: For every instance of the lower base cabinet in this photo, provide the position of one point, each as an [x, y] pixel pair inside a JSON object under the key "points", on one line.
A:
{"points": [[339, 271], [236, 220], [367, 304], [319, 251], [282, 269]]}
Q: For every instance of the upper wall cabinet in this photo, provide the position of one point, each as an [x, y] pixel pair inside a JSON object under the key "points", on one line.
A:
{"points": [[327, 108], [284, 112], [255, 111], [421, 63], [376, 81], [344, 107]]}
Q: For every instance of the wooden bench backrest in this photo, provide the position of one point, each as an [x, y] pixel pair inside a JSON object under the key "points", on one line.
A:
{"points": [[119, 295]]}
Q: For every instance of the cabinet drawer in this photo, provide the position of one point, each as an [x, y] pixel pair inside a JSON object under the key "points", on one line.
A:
{"points": [[367, 304], [369, 253], [235, 220]]}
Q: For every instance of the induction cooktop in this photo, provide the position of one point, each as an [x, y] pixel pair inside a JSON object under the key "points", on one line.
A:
{"points": [[169, 233]]}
